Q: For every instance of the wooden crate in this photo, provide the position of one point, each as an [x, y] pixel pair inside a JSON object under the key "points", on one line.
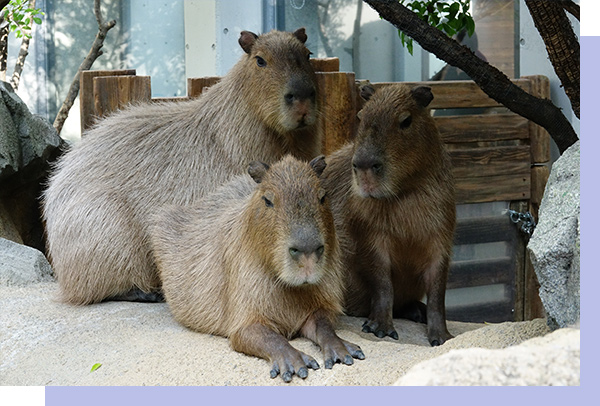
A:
{"points": [[497, 156]]}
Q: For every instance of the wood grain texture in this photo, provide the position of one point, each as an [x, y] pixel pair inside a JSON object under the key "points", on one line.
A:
{"points": [[116, 92], [87, 110]]}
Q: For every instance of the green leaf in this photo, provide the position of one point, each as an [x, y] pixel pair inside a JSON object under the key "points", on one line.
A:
{"points": [[470, 25], [409, 46], [37, 20], [95, 367]]}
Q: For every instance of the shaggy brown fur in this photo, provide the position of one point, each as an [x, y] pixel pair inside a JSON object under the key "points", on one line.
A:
{"points": [[258, 264], [103, 190], [392, 194]]}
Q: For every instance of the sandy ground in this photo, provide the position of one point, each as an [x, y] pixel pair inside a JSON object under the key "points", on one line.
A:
{"points": [[45, 342]]}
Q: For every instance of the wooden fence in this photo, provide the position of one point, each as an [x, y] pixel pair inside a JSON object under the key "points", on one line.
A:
{"points": [[496, 155]]}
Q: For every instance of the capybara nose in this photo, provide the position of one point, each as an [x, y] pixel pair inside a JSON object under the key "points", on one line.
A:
{"points": [[296, 253], [299, 90], [367, 163]]}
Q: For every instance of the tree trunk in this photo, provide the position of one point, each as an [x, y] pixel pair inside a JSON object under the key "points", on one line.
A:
{"points": [[562, 45], [492, 81]]}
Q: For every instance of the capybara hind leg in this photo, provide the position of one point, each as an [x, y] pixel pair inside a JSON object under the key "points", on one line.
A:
{"points": [[262, 342], [414, 311], [138, 295], [318, 328], [437, 332]]}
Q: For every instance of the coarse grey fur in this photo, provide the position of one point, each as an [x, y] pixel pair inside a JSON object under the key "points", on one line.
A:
{"points": [[103, 190]]}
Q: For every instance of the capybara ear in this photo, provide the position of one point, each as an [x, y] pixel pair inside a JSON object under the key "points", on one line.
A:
{"points": [[366, 91], [318, 164], [247, 40], [300, 33], [422, 95], [257, 170]]}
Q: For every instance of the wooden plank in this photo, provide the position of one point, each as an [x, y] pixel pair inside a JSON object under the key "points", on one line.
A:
{"points": [[533, 307], [493, 188], [87, 111], [518, 253], [490, 161], [325, 64], [112, 93], [540, 139], [480, 230], [491, 312], [459, 93], [482, 128], [337, 97], [539, 178], [195, 86], [480, 272]]}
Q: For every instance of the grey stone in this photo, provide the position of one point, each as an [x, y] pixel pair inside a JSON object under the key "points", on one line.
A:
{"points": [[554, 245], [27, 142], [550, 360], [21, 265]]}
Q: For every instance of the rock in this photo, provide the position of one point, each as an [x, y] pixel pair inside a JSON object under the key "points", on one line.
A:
{"points": [[28, 143], [22, 265], [554, 245], [550, 360]]}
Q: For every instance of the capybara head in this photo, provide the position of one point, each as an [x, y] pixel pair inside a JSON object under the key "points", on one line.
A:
{"points": [[276, 67], [396, 139], [289, 221]]}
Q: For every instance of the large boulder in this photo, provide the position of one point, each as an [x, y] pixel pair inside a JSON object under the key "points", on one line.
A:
{"points": [[554, 245], [21, 265], [28, 143], [550, 360]]}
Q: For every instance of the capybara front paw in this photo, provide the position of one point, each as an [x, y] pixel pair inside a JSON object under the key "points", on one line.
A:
{"points": [[380, 329], [298, 364], [436, 339], [341, 352]]}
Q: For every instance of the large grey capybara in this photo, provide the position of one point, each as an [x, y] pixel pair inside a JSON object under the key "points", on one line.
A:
{"points": [[258, 261], [104, 189], [393, 200]]}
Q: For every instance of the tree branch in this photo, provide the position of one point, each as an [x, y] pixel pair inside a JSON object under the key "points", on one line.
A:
{"points": [[562, 45], [492, 81], [95, 52], [571, 7], [3, 49], [23, 52]]}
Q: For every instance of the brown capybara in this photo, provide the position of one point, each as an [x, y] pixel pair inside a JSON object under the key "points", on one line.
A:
{"points": [[258, 261], [104, 189], [392, 195]]}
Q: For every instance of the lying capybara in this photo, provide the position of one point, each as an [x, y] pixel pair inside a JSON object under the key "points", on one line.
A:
{"points": [[392, 195], [103, 190], [258, 261]]}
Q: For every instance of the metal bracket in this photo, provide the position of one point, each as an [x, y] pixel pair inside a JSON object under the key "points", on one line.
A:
{"points": [[526, 219]]}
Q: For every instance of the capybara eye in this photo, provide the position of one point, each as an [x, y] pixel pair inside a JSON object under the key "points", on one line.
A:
{"points": [[406, 122], [261, 62], [268, 203]]}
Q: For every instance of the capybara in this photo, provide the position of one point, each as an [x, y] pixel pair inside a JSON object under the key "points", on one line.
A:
{"points": [[393, 200], [103, 190], [258, 261]]}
